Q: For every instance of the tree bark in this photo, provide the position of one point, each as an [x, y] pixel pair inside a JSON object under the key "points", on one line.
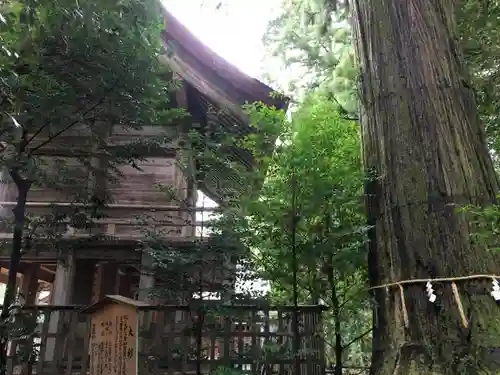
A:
{"points": [[422, 139]]}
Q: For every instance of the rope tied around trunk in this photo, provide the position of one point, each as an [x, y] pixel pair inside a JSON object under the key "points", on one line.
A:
{"points": [[436, 280], [495, 293]]}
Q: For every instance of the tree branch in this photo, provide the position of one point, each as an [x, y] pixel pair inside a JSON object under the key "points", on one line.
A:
{"points": [[73, 123], [344, 296], [357, 338]]}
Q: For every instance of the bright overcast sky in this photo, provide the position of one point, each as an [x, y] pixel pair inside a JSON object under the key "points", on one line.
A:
{"points": [[234, 31]]}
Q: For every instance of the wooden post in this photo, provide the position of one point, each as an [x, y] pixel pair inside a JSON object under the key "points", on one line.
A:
{"points": [[106, 281], [125, 284], [185, 185], [61, 295], [147, 278], [83, 285], [29, 290]]}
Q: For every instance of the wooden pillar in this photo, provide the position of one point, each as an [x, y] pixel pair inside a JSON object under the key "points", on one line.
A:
{"points": [[62, 291], [106, 280], [29, 292], [190, 217], [185, 185], [125, 285], [29, 285], [84, 278], [147, 278]]}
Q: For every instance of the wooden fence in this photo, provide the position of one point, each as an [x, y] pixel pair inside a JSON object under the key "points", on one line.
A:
{"points": [[174, 340], [48, 340]]}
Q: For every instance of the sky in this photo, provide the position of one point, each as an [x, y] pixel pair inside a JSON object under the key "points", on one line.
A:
{"points": [[234, 31]]}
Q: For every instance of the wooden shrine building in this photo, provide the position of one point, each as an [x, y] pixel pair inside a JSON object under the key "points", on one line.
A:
{"points": [[113, 265], [93, 289]]}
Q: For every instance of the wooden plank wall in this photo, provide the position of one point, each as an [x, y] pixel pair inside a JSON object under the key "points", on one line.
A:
{"points": [[135, 186], [63, 178], [147, 185]]}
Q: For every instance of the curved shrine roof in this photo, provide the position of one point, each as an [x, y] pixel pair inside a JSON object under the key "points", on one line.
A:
{"points": [[212, 68], [220, 85]]}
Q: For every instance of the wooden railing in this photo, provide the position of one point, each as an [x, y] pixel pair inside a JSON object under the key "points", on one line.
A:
{"points": [[173, 340]]}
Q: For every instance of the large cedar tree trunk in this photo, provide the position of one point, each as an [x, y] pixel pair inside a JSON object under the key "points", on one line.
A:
{"points": [[423, 141]]}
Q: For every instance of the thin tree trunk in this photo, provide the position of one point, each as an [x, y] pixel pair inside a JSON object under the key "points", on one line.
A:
{"points": [[422, 139], [15, 256], [338, 370], [15, 262]]}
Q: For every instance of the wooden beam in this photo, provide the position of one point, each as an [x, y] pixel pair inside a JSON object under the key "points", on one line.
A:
{"points": [[47, 269], [111, 250], [216, 94], [26, 268], [114, 206], [4, 276], [125, 256]]}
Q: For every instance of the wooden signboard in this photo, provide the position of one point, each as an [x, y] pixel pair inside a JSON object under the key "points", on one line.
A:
{"points": [[113, 340]]}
